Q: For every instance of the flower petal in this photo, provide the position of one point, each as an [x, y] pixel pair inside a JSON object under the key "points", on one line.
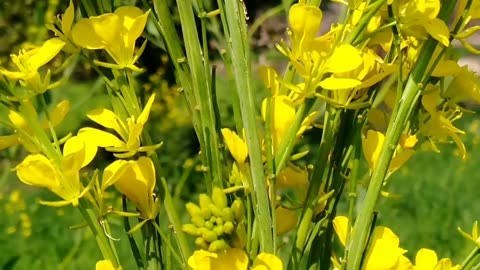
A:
{"points": [[340, 224], [269, 261], [100, 137], [45, 53], [37, 170]]}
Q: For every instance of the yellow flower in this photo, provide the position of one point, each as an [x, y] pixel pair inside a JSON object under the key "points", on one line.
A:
{"points": [[29, 61], [384, 252], [282, 117], [420, 16], [468, 29], [105, 265], [372, 145], [116, 33], [24, 134], [236, 145], [129, 142], [305, 21], [232, 259], [426, 259], [64, 23], [62, 179], [136, 180], [437, 125]]}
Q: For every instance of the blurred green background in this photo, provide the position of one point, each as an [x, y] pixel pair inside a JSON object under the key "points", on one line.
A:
{"points": [[437, 192]]}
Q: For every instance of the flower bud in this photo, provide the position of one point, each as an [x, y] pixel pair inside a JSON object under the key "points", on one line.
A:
{"points": [[219, 198], [227, 214], [218, 230], [215, 210], [192, 209], [204, 201], [218, 245], [239, 238], [220, 221], [228, 227], [199, 241], [190, 229], [208, 225], [198, 221], [205, 213], [238, 209], [209, 236]]}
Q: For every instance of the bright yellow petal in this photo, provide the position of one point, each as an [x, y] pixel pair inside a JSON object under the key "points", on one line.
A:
{"points": [[426, 259], [57, 114], [372, 145], [107, 119], [340, 224], [146, 110], [233, 259], [37, 170], [46, 53], [344, 58], [286, 220], [267, 261], [292, 177], [270, 78], [237, 147], [100, 137], [401, 156], [201, 260], [333, 83], [305, 21], [439, 31], [112, 172], [283, 114], [81, 150], [104, 265], [67, 19]]}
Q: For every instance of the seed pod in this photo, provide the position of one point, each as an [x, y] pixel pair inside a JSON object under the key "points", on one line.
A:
{"points": [[219, 198]]}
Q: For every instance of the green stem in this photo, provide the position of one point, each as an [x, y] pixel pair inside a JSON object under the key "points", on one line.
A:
{"points": [[471, 258], [102, 240], [409, 99], [201, 87], [240, 55]]}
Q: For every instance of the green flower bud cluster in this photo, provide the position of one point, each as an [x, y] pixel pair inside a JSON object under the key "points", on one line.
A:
{"points": [[215, 224]]}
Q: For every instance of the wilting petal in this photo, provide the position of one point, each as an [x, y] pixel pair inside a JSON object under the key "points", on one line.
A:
{"points": [[7, 141], [372, 146], [286, 220]]}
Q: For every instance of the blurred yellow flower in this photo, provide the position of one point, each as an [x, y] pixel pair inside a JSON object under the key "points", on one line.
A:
{"points": [[426, 259], [130, 132], [372, 145], [23, 132], [232, 259], [106, 265], [116, 33], [384, 252], [62, 179], [236, 145], [136, 180], [29, 61]]}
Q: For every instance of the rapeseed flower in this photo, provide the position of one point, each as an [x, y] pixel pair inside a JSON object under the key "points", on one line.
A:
{"points": [[234, 259], [236, 145], [426, 259], [61, 178], [130, 131], [29, 61], [136, 180], [115, 33]]}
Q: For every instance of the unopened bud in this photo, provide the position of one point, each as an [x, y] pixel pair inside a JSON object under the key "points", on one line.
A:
{"points": [[238, 209], [199, 241], [190, 229], [218, 245], [192, 209], [219, 198], [228, 227], [198, 221], [209, 236], [204, 200], [215, 210], [218, 230], [227, 214]]}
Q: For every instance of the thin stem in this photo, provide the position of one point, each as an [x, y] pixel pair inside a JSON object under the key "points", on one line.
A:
{"points": [[409, 98]]}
